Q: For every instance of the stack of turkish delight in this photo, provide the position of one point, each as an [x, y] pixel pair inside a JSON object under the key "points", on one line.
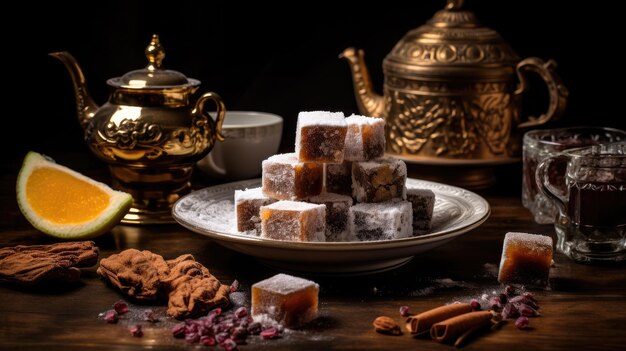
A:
{"points": [[337, 186]]}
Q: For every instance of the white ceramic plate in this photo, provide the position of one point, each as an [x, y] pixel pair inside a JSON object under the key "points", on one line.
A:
{"points": [[211, 212]]}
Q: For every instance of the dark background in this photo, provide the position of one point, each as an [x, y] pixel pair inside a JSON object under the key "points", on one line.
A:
{"points": [[279, 58]]}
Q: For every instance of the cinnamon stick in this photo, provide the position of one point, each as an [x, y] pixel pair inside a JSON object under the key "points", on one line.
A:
{"points": [[422, 322], [452, 328]]}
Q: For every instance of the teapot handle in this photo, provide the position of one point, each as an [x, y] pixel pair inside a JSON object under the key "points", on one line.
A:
{"points": [[558, 92], [221, 112]]}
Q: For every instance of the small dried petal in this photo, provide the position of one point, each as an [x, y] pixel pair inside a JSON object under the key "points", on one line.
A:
{"points": [[404, 311], [521, 299], [110, 316], [241, 312], [530, 296], [234, 286], [136, 331], [120, 307], [270, 333], [207, 340], [522, 322], [527, 311], [475, 305], [228, 345], [178, 331]]}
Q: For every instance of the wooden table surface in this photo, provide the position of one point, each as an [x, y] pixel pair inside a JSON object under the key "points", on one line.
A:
{"points": [[584, 309]]}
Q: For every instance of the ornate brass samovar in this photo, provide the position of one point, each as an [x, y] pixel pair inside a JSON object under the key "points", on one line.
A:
{"points": [[451, 96], [151, 132]]}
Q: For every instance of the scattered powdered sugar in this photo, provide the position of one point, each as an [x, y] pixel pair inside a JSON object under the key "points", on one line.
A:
{"points": [[218, 216], [442, 283]]}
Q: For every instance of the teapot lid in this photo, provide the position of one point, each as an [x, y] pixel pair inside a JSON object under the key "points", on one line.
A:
{"points": [[453, 39], [153, 76]]}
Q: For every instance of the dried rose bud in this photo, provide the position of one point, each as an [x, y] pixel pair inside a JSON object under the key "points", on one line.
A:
{"points": [[192, 338], [136, 331], [110, 316], [207, 340], [527, 311], [228, 345], [120, 307], [178, 331], [522, 323], [220, 337], [529, 295], [241, 312], [475, 305], [510, 311], [234, 286], [270, 333], [239, 335], [404, 311], [495, 304]]}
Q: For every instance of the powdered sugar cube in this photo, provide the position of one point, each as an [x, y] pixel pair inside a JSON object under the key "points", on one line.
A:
{"points": [[381, 221], [285, 178], [423, 201], [293, 221], [289, 300], [339, 177], [247, 205], [378, 181], [365, 139], [337, 213], [526, 259], [321, 136]]}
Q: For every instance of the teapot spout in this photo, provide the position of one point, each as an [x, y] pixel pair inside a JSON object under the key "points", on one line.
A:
{"points": [[369, 103], [85, 105]]}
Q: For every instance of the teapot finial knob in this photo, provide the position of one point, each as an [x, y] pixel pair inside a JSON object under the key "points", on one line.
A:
{"points": [[454, 5], [155, 53]]}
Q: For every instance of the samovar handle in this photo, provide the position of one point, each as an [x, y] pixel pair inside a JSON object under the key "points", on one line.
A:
{"points": [[558, 92]]}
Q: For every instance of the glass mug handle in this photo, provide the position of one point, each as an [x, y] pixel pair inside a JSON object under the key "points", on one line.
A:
{"points": [[542, 178], [557, 91]]}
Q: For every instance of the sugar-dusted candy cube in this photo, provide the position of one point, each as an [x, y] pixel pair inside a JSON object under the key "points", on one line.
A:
{"points": [[526, 259], [293, 221], [378, 181], [289, 300], [339, 178], [365, 139], [337, 213], [285, 178], [321, 136], [382, 220], [247, 205], [423, 201]]}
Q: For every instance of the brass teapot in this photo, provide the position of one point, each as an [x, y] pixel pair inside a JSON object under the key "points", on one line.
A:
{"points": [[151, 132], [450, 93]]}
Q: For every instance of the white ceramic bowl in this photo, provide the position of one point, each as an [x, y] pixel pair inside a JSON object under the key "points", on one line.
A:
{"points": [[251, 137]]}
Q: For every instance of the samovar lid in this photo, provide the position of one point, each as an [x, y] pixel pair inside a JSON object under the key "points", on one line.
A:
{"points": [[449, 43], [153, 76]]}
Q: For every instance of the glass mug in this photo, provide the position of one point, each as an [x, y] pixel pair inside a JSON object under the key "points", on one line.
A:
{"points": [[591, 225], [540, 144]]}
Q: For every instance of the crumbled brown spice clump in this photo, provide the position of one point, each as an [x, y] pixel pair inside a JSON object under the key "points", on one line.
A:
{"points": [[189, 286], [34, 264]]}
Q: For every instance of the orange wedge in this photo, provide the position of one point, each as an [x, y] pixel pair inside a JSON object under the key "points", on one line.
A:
{"points": [[66, 204]]}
